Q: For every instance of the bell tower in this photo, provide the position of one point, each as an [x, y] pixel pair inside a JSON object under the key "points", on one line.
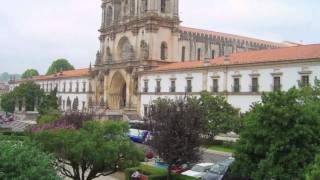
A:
{"points": [[134, 34]]}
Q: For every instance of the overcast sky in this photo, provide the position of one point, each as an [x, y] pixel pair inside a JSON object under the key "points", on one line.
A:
{"points": [[35, 32]]}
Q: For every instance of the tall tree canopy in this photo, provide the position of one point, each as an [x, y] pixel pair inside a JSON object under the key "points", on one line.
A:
{"points": [[20, 160], [281, 136], [31, 92], [221, 117], [176, 127], [85, 149], [59, 65], [29, 73]]}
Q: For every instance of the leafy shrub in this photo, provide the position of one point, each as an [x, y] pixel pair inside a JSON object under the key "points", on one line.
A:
{"points": [[24, 161], [52, 116]]}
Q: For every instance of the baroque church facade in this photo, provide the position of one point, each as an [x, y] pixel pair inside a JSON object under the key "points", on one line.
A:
{"points": [[138, 35]]}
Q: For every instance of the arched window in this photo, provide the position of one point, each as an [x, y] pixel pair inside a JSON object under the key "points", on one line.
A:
{"points": [[163, 6], [199, 54], [183, 54], [164, 51], [109, 16]]}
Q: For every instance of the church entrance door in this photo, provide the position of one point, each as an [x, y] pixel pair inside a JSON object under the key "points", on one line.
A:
{"points": [[118, 92]]}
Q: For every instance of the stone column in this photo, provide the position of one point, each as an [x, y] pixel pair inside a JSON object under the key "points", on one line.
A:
{"points": [[23, 109], [16, 105]]}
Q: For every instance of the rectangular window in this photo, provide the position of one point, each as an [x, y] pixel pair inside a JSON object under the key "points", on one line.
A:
{"points": [[158, 87], [276, 83], [173, 86], [254, 84], [305, 81], [146, 86], [77, 87], [70, 87], [236, 85], [64, 87], [212, 54], [215, 85], [183, 55], [199, 54], [145, 111], [84, 88], [189, 85]]}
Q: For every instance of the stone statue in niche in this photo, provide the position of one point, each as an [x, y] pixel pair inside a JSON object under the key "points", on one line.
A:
{"points": [[144, 51]]}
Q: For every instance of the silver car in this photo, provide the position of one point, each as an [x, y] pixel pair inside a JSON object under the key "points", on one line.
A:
{"points": [[218, 170]]}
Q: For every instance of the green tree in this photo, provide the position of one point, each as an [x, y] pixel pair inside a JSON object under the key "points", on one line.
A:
{"points": [[49, 103], [23, 161], [29, 73], [96, 149], [280, 136], [31, 92], [221, 117], [59, 65], [7, 102], [314, 171]]}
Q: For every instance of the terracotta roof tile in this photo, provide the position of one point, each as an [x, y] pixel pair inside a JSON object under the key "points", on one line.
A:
{"points": [[304, 52], [65, 74], [61, 75]]}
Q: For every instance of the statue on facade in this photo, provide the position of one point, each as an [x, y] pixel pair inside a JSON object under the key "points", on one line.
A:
{"points": [[144, 51]]}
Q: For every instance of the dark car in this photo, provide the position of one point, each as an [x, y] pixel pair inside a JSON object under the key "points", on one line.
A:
{"points": [[219, 170]]}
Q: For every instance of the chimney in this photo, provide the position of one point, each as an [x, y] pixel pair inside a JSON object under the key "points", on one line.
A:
{"points": [[226, 59]]}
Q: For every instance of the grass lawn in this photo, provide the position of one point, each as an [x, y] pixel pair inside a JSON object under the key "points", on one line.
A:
{"points": [[220, 148]]}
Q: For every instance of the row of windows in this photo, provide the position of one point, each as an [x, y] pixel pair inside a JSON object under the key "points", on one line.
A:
{"points": [[50, 87], [183, 54], [236, 86], [201, 36]]}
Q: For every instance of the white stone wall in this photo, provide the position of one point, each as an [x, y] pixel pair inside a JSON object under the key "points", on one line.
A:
{"points": [[73, 94], [290, 74]]}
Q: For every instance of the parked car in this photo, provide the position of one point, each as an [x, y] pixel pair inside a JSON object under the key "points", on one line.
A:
{"points": [[198, 170], [138, 136], [219, 170]]}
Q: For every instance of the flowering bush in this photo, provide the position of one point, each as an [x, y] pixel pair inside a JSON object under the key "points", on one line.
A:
{"points": [[74, 120]]}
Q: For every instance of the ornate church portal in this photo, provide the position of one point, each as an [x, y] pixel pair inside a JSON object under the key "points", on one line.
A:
{"points": [[117, 92]]}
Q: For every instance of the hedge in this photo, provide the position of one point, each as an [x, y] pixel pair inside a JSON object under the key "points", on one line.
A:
{"points": [[154, 173]]}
